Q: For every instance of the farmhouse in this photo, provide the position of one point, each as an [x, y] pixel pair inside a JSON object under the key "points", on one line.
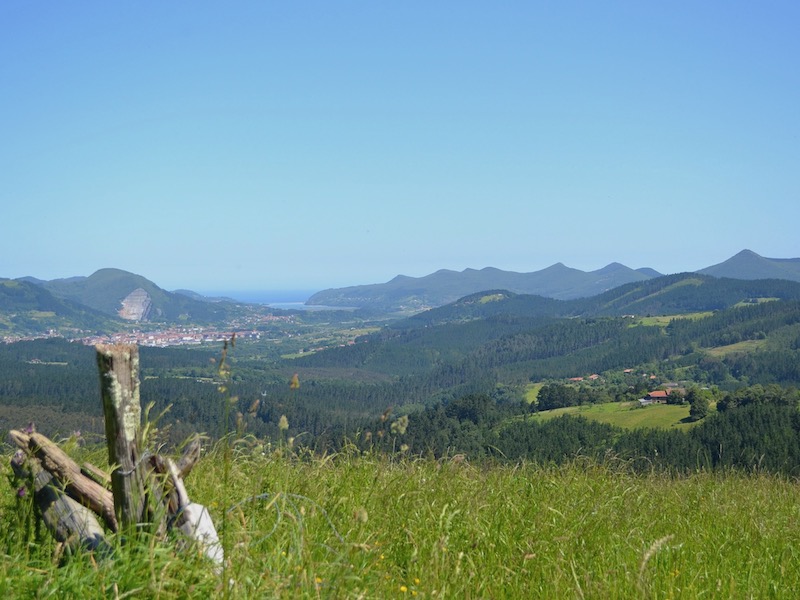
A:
{"points": [[654, 397]]}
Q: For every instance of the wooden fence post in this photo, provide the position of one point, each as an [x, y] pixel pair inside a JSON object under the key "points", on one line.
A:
{"points": [[119, 386], [146, 490]]}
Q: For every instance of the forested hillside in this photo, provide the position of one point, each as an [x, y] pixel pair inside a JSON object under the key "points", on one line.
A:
{"points": [[756, 428], [458, 379], [511, 349], [25, 306], [412, 367], [105, 289], [667, 295]]}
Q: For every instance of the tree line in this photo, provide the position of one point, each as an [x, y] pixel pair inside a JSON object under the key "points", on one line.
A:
{"points": [[757, 428]]}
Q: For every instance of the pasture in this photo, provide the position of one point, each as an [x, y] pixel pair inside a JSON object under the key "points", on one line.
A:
{"points": [[357, 525]]}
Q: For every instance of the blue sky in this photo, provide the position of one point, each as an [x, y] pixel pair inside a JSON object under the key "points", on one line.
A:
{"points": [[304, 145]]}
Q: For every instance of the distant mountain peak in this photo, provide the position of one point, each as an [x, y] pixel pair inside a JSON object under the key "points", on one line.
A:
{"points": [[750, 265], [400, 278], [559, 266], [612, 268], [648, 272]]}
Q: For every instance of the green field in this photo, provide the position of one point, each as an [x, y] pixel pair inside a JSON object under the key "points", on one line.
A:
{"points": [[532, 392], [491, 298], [757, 301], [740, 347], [628, 415], [663, 321], [365, 526]]}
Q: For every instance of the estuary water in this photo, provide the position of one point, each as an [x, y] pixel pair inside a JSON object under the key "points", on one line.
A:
{"points": [[283, 299]]}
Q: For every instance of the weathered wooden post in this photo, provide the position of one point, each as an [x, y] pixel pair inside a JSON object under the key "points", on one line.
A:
{"points": [[145, 489], [119, 386]]}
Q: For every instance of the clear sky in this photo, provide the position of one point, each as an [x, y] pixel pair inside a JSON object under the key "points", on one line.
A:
{"points": [[303, 145]]}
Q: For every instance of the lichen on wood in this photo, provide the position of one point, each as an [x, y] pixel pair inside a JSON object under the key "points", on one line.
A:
{"points": [[118, 365]]}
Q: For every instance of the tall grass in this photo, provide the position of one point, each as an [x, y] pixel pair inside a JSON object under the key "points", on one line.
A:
{"points": [[369, 526]]}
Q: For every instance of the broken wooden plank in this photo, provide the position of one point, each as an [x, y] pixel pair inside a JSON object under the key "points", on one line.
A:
{"points": [[190, 456], [68, 475], [68, 521], [194, 520], [169, 489]]}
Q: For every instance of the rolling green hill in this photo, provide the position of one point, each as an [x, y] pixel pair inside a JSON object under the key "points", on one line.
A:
{"points": [[667, 295], [104, 301], [27, 308], [499, 337], [105, 290], [685, 293]]}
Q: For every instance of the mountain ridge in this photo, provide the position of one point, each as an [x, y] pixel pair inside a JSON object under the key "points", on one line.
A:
{"points": [[111, 291], [409, 294], [404, 293], [119, 294]]}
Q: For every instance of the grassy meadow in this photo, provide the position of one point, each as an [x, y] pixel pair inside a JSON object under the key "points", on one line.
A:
{"points": [[628, 415], [368, 526], [664, 320], [737, 348]]}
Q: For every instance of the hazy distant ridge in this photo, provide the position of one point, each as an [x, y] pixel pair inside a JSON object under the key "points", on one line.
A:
{"points": [[445, 286], [557, 281], [86, 302]]}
